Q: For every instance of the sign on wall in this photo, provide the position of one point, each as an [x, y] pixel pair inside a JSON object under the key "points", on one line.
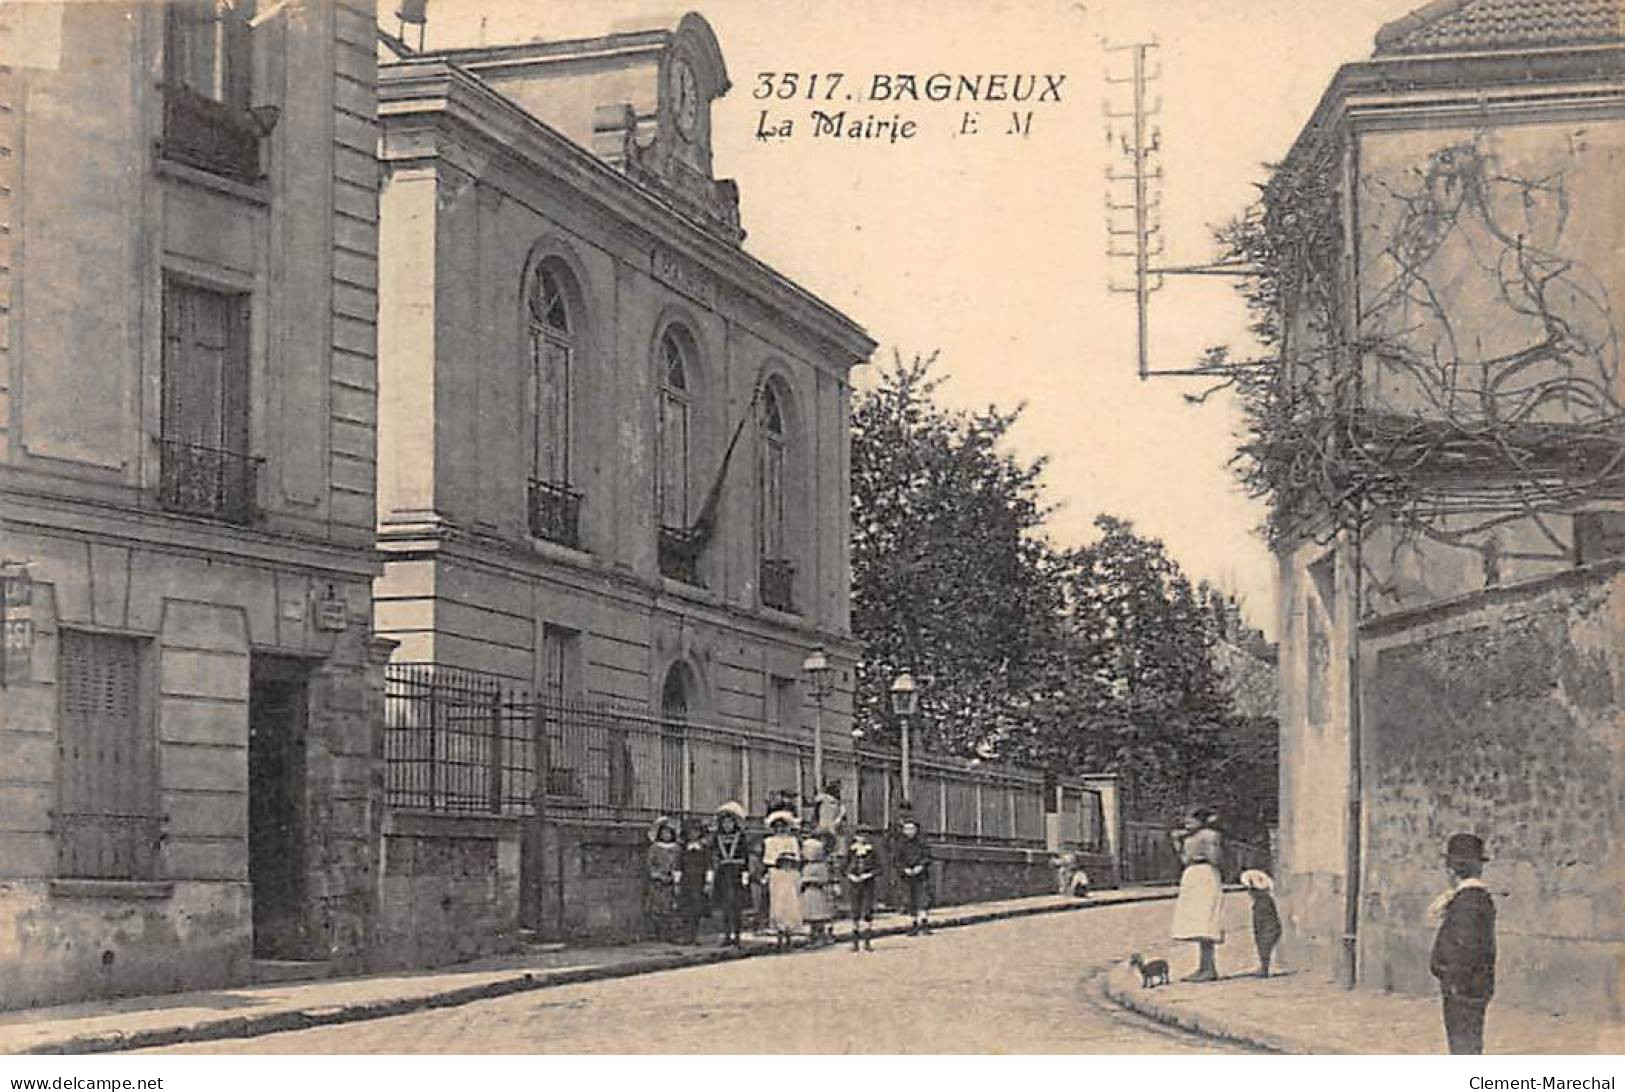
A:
{"points": [[17, 624]]}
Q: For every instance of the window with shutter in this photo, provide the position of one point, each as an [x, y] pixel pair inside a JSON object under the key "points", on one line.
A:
{"points": [[777, 578], [206, 469], [107, 816], [554, 506]]}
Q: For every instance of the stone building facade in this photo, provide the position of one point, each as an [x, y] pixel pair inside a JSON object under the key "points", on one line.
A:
{"points": [[1467, 678], [614, 447], [188, 753]]}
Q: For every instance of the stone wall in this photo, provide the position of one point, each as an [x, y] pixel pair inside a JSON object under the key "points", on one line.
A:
{"points": [[449, 890], [1499, 713], [593, 882]]}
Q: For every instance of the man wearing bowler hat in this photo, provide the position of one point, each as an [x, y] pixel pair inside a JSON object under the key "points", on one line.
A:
{"points": [[1464, 949]]}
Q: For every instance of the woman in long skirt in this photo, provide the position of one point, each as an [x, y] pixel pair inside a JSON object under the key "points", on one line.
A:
{"points": [[781, 854], [1198, 915]]}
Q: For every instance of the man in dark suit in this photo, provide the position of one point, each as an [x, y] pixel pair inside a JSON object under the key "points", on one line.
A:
{"points": [[1464, 949]]}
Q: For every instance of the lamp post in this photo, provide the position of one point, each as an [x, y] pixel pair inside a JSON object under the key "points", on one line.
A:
{"points": [[904, 698], [816, 665]]}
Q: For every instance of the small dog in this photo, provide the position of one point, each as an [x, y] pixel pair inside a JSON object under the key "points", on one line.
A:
{"points": [[1154, 973]]}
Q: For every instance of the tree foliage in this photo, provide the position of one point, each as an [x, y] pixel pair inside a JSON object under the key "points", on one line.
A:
{"points": [[1094, 659], [948, 569]]}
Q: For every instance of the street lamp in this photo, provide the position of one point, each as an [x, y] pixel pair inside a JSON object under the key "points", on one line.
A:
{"points": [[904, 699], [816, 665]]}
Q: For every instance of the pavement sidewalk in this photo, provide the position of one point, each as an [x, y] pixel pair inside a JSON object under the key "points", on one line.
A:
{"points": [[1301, 1013], [164, 1020]]}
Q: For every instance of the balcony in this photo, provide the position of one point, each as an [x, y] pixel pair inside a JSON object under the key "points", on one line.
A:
{"points": [[203, 481], [680, 555], [778, 583], [555, 513], [210, 135]]}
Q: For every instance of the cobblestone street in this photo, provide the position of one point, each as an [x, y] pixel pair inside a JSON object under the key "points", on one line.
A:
{"points": [[1006, 987]]}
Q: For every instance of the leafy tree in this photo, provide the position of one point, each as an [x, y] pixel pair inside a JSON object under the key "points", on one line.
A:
{"points": [[1097, 659], [950, 574]]}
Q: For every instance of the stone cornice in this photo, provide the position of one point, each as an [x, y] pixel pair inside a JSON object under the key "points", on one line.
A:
{"points": [[1451, 88], [590, 575], [161, 532], [433, 99]]}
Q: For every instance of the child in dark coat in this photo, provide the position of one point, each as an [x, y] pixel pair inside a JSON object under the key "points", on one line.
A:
{"points": [[693, 869], [914, 866], [1266, 918], [860, 879]]}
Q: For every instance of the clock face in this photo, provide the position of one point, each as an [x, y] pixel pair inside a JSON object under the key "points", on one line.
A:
{"points": [[686, 89]]}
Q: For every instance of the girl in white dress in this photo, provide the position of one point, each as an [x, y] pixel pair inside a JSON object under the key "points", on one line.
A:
{"points": [[781, 855]]}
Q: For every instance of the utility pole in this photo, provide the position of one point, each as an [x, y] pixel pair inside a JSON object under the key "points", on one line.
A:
{"points": [[1138, 146]]}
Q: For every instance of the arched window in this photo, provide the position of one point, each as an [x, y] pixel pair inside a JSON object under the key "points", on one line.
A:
{"points": [[674, 438], [551, 350], [674, 699], [551, 347], [777, 571]]}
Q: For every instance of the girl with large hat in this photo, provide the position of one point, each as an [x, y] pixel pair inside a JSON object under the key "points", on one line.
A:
{"points": [[730, 869], [781, 854], [664, 862]]}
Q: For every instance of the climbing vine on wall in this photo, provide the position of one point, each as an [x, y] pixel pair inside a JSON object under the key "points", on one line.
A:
{"points": [[1476, 382]]}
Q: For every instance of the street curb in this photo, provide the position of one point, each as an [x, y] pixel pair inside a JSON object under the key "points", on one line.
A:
{"points": [[246, 1027], [1121, 984]]}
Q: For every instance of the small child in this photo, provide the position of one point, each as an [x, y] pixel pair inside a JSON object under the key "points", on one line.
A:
{"points": [[914, 868], [817, 891], [1266, 919], [660, 889], [693, 869], [781, 854], [860, 879]]}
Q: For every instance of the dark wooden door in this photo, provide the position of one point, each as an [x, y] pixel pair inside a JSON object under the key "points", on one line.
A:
{"points": [[276, 807]]}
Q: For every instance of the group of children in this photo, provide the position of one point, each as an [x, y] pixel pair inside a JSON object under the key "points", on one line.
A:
{"points": [[801, 875]]}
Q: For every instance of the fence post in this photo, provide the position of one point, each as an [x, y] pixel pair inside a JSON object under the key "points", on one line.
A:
{"points": [[426, 681], [494, 755]]}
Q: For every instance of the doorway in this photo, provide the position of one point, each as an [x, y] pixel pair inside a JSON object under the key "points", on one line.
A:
{"points": [[278, 700]]}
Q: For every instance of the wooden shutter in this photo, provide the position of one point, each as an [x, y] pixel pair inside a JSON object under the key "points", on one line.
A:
{"points": [[107, 773], [773, 544], [673, 460], [205, 397], [550, 407]]}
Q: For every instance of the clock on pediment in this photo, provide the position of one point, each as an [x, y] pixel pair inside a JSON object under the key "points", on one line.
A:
{"points": [[689, 108]]}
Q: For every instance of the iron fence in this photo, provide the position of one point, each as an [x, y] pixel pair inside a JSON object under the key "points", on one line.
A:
{"points": [[457, 741]]}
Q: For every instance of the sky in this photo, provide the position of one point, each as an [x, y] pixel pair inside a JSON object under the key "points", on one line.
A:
{"points": [[990, 246]]}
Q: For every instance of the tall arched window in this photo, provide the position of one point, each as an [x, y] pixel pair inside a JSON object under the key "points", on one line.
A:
{"points": [[674, 700], [554, 505], [777, 571], [674, 433]]}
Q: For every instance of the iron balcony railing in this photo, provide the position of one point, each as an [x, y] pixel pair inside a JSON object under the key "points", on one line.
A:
{"points": [[555, 513], [211, 136], [778, 584], [680, 555], [107, 845], [203, 481]]}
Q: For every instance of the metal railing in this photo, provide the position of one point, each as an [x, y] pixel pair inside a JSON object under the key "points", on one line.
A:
{"points": [[210, 135], [778, 579], [680, 555], [555, 513], [107, 846], [204, 481], [457, 741]]}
